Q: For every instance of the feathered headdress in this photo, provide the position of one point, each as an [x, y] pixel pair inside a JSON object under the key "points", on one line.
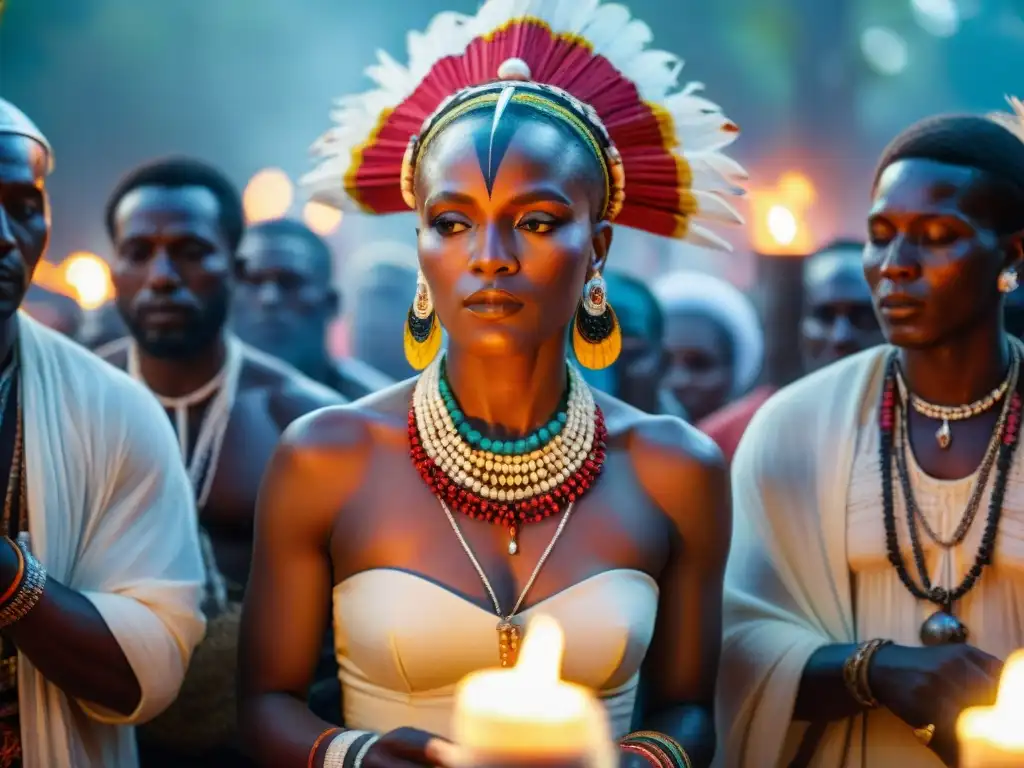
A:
{"points": [[1013, 121], [580, 60]]}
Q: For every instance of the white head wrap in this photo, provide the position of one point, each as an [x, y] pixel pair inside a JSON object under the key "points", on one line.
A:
{"points": [[701, 293], [15, 122]]}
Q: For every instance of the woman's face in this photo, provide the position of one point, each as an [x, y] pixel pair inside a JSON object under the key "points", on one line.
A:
{"points": [[506, 261], [701, 371], [934, 255]]}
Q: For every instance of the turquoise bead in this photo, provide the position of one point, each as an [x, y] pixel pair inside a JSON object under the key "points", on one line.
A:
{"points": [[486, 444], [473, 438], [563, 417], [464, 429], [508, 448], [520, 446], [543, 434], [533, 442], [555, 427], [456, 415]]}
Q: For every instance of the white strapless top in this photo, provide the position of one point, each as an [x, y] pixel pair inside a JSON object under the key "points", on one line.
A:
{"points": [[403, 643]]}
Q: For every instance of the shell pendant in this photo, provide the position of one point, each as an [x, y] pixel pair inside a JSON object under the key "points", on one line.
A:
{"points": [[513, 540], [944, 436]]}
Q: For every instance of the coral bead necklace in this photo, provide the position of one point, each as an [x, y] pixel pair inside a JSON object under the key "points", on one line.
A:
{"points": [[506, 482]]}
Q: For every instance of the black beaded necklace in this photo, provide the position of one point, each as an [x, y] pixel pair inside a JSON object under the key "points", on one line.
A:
{"points": [[941, 627]]}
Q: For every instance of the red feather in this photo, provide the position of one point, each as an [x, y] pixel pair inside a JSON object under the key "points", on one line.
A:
{"points": [[654, 196]]}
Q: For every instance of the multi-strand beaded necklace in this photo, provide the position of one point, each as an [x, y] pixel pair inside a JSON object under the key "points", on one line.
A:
{"points": [[943, 627], [505, 482]]}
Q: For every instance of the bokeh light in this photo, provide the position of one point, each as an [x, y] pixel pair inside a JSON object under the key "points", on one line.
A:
{"points": [[322, 219], [268, 195], [782, 224], [89, 277], [885, 51], [939, 17]]}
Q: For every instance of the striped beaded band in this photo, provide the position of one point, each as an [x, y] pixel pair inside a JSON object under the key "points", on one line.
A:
{"points": [[655, 757], [29, 591], [340, 746], [311, 761], [363, 750], [663, 744], [504, 489]]}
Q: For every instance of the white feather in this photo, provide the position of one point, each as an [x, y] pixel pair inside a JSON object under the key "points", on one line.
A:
{"points": [[713, 207], [611, 32], [1013, 121], [705, 238]]}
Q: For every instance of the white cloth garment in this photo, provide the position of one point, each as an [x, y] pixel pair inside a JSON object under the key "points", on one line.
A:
{"points": [[788, 584], [112, 516]]}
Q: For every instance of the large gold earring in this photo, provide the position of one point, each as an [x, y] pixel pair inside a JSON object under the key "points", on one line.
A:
{"points": [[596, 336], [422, 329]]}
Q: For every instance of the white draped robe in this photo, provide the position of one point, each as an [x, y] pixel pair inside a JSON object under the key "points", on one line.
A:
{"points": [[111, 515]]}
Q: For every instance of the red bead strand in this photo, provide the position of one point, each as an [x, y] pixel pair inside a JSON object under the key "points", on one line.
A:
{"points": [[504, 513]]}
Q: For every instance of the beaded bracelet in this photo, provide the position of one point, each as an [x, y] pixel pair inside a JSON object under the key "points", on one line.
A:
{"points": [[855, 672], [364, 747], [339, 747], [659, 748], [27, 588], [311, 762]]}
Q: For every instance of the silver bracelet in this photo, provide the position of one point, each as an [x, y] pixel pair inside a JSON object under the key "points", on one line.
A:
{"points": [[29, 591], [339, 747], [361, 754]]}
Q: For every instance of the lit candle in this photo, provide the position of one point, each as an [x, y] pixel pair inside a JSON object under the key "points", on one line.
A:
{"points": [[993, 737], [527, 714]]}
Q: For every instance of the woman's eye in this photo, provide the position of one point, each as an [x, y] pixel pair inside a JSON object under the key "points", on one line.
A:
{"points": [[538, 225], [938, 234], [446, 225], [880, 233]]}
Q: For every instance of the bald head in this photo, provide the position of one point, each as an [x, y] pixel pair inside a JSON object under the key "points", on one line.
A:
{"points": [[14, 122]]}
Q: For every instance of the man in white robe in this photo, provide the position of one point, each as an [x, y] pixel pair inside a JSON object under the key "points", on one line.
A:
{"points": [[109, 513]]}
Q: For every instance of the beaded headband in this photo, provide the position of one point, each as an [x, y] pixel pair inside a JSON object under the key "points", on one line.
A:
{"points": [[514, 87], [585, 64]]}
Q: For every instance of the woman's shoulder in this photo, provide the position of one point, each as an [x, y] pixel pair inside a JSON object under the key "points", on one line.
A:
{"points": [[669, 438], [353, 426], [680, 468]]}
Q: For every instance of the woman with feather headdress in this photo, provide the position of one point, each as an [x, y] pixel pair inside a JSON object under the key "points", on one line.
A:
{"points": [[439, 514]]}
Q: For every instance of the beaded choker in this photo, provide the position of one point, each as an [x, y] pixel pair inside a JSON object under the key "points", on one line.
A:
{"points": [[505, 482]]}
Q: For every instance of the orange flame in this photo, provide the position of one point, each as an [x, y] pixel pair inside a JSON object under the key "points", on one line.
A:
{"points": [[83, 276], [779, 214]]}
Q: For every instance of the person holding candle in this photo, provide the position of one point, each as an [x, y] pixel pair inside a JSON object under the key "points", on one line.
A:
{"points": [[516, 141], [877, 571]]}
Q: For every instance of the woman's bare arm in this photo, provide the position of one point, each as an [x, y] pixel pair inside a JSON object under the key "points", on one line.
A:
{"points": [[313, 472], [685, 474]]}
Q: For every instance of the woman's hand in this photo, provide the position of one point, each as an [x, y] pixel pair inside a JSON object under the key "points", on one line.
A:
{"points": [[407, 748], [932, 686]]}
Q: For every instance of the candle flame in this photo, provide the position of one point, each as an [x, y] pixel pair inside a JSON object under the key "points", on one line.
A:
{"points": [[999, 725], [540, 659], [1011, 685]]}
